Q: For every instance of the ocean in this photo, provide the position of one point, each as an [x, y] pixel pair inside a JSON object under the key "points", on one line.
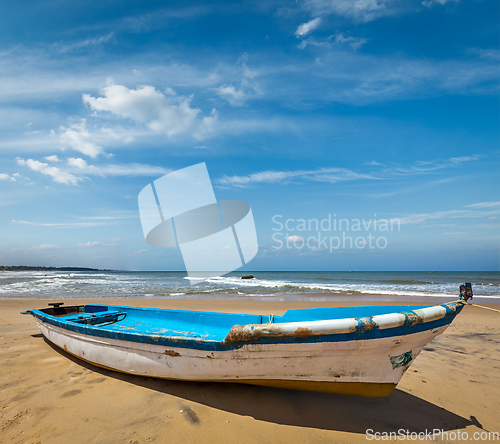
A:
{"points": [[417, 287]]}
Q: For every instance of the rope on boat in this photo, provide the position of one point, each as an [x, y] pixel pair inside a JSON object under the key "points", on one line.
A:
{"points": [[486, 308]]}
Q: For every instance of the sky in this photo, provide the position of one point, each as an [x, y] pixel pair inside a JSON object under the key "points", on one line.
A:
{"points": [[311, 111]]}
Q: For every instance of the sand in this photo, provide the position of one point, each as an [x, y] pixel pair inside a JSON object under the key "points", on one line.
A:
{"points": [[50, 397]]}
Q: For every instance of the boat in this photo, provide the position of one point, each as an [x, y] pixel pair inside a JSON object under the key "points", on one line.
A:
{"points": [[347, 350]]}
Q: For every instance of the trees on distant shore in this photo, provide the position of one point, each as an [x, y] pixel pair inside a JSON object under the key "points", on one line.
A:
{"points": [[37, 268]]}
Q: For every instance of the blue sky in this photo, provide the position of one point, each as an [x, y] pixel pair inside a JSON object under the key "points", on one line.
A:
{"points": [[357, 110]]}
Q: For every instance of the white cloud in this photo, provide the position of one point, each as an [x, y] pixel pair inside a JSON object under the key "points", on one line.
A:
{"points": [[234, 96], [357, 10], [354, 42], [57, 174], [451, 214], [91, 245], [294, 239], [333, 174], [330, 175], [248, 87], [46, 247], [87, 221], [430, 3], [429, 166], [72, 172], [306, 28], [338, 39], [109, 133], [79, 138], [492, 54], [78, 163], [412, 189], [207, 126], [158, 18], [61, 78], [4, 176], [485, 205], [68, 47], [171, 115], [130, 169]]}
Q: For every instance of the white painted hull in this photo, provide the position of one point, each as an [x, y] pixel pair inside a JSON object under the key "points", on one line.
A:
{"points": [[359, 363]]}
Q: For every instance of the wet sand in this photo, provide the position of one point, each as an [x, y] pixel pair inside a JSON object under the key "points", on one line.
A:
{"points": [[47, 396]]}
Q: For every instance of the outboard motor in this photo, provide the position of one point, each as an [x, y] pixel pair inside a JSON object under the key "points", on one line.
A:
{"points": [[466, 291]]}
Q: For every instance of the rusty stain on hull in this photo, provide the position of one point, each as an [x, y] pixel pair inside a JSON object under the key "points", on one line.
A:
{"points": [[171, 353], [302, 332], [237, 334], [366, 324], [412, 319]]}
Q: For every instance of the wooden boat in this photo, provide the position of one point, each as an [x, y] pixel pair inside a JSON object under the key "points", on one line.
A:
{"points": [[348, 350]]}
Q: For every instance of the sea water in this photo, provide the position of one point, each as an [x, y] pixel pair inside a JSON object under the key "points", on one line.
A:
{"points": [[407, 286]]}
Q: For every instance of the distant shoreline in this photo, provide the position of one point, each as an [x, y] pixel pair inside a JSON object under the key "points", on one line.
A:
{"points": [[28, 268]]}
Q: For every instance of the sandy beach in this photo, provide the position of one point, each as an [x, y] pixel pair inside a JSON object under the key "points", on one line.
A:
{"points": [[47, 396]]}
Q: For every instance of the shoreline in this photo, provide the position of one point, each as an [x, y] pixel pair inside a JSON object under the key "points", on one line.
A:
{"points": [[50, 397], [340, 299], [233, 304]]}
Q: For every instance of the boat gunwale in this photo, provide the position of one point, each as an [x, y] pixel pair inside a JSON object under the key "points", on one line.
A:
{"points": [[410, 318]]}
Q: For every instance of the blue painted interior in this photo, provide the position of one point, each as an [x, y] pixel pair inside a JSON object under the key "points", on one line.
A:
{"points": [[317, 314]]}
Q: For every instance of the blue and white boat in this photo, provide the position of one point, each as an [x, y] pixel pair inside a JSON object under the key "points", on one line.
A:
{"points": [[348, 350]]}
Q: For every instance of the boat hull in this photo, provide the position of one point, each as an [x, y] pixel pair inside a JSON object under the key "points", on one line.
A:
{"points": [[366, 367]]}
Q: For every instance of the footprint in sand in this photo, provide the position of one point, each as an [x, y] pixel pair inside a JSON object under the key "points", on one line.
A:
{"points": [[70, 393]]}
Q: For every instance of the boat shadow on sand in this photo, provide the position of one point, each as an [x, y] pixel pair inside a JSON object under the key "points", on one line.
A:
{"points": [[399, 410]]}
